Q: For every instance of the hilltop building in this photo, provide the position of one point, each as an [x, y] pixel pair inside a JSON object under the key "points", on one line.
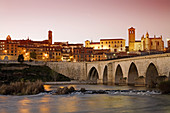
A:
{"points": [[146, 44], [10, 48], [115, 45], [44, 50]]}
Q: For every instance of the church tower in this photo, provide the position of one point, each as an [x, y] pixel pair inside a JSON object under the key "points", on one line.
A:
{"points": [[131, 32], [50, 37], [147, 45]]}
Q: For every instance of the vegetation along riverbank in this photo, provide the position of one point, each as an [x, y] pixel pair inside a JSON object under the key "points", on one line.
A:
{"points": [[23, 72]]}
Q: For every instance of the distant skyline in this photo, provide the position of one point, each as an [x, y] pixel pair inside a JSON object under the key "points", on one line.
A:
{"points": [[78, 20]]}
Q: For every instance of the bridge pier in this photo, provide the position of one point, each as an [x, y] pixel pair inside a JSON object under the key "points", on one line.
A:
{"points": [[99, 81]]}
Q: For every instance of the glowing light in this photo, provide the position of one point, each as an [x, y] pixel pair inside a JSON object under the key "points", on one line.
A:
{"points": [[45, 55], [26, 54]]}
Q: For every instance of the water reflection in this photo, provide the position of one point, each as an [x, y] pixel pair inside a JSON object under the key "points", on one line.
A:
{"points": [[70, 104], [45, 104], [81, 103], [44, 109], [3, 111], [24, 105], [47, 87]]}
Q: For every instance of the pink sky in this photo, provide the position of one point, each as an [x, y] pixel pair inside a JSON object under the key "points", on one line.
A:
{"points": [[79, 20]]}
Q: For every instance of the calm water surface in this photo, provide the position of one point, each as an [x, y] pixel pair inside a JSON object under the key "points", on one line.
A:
{"points": [[91, 103]]}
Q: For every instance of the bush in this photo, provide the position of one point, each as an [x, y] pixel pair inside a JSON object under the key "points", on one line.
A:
{"points": [[165, 87], [22, 88]]}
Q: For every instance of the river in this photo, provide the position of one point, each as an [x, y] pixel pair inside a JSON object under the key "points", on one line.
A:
{"points": [[87, 103]]}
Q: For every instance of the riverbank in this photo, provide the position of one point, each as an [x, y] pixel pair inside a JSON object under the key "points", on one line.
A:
{"points": [[22, 88], [23, 72]]}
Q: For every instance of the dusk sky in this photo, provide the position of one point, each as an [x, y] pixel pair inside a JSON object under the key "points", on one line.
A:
{"points": [[79, 20]]}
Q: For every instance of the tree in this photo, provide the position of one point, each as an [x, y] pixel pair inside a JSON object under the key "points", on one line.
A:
{"points": [[21, 58], [33, 55]]}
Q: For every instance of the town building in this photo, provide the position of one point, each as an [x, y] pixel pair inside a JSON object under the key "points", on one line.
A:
{"points": [[168, 49], [115, 45], [83, 54], [146, 44], [9, 48]]}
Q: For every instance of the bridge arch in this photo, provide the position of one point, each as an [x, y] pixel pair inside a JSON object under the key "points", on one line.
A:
{"points": [[118, 74], [132, 74], [151, 75], [105, 75], [93, 75]]}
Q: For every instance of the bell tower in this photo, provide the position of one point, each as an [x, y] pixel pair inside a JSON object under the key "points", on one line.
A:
{"points": [[131, 33], [50, 37]]}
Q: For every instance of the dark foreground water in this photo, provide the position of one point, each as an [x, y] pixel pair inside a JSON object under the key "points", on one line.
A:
{"points": [[91, 103]]}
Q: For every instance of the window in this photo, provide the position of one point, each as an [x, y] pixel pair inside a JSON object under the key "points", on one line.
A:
{"points": [[151, 43], [118, 42], [106, 42], [112, 42], [59, 54], [101, 45], [56, 53], [102, 42], [115, 45], [109, 45], [121, 45], [121, 42], [115, 50], [158, 43]]}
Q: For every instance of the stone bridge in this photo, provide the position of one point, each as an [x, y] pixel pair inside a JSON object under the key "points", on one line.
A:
{"points": [[135, 71]]}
